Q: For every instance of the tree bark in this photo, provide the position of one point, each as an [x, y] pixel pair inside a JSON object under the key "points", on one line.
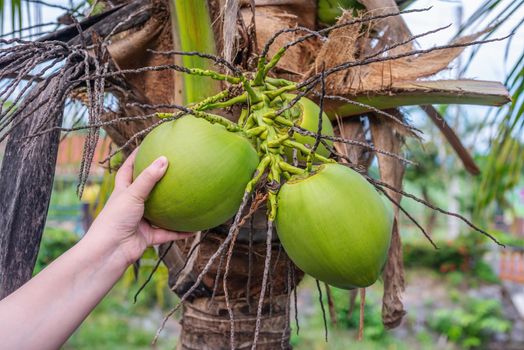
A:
{"points": [[206, 325], [26, 181]]}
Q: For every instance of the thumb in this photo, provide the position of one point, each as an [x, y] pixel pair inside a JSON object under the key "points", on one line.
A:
{"points": [[148, 178]]}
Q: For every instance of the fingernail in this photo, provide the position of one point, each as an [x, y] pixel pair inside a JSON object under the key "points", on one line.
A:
{"points": [[161, 162]]}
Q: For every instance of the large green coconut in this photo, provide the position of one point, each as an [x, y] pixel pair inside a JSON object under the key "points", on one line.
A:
{"points": [[209, 168], [309, 121], [335, 226]]}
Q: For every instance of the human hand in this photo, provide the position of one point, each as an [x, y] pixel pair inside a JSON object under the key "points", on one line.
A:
{"points": [[121, 224]]}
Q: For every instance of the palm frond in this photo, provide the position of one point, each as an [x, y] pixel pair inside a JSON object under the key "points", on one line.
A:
{"points": [[504, 164], [13, 9]]}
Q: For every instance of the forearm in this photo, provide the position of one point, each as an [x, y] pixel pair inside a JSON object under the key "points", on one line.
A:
{"points": [[43, 313]]}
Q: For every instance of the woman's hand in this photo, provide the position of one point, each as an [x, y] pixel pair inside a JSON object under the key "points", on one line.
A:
{"points": [[121, 222], [45, 311]]}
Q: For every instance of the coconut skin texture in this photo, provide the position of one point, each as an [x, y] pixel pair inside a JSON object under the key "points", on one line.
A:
{"points": [[309, 121], [335, 226], [209, 168]]}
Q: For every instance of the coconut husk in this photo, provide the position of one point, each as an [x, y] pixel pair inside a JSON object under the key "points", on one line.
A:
{"points": [[392, 30], [270, 17], [352, 43], [342, 46], [386, 137]]}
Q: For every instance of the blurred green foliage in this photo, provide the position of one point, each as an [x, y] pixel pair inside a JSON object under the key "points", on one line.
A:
{"points": [[463, 255], [509, 239], [374, 329], [118, 323], [343, 334], [55, 241], [471, 323]]}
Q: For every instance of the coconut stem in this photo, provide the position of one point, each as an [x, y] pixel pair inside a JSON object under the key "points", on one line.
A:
{"points": [[290, 168], [203, 105], [274, 61], [231, 102], [262, 166], [306, 151], [276, 93]]}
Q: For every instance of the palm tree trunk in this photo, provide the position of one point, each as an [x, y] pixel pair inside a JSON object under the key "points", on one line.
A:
{"points": [[26, 182], [206, 324], [206, 319]]}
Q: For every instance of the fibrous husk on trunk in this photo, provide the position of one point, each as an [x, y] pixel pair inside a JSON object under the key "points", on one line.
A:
{"points": [[131, 50], [273, 15], [205, 325], [392, 30], [351, 43]]}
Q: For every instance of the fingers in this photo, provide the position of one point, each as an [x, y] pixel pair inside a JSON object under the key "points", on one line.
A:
{"points": [[148, 178], [155, 235], [124, 176], [160, 236]]}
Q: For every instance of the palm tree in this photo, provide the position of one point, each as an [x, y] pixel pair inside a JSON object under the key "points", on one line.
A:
{"points": [[123, 61], [504, 165]]}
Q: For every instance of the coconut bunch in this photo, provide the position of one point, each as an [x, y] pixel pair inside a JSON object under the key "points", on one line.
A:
{"points": [[332, 223]]}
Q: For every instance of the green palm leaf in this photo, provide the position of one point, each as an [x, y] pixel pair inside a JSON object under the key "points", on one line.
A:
{"points": [[14, 9], [504, 164]]}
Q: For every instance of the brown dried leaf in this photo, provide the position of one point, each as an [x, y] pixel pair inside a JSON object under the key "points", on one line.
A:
{"points": [[386, 137], [351, 43], [393, 274], [411, 68], [385, 75]]}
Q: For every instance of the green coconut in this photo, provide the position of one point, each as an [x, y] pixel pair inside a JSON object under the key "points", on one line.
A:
{"points": [[335, 226], [209, 168], [309, 121]]}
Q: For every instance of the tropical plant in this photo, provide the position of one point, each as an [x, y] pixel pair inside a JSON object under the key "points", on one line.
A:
{"points": [[473, 325], [139, 64], [504, 166]]}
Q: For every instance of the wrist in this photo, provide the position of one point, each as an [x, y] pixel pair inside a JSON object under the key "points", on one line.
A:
{"points": [[105, 250]]}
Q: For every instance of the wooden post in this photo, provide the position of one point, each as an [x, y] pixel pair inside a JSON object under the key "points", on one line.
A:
{"points": [[26, 181]]}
